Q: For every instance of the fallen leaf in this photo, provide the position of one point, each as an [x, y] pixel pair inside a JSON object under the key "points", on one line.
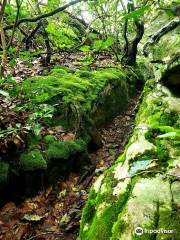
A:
{"points": [[48, 191], [64, 219], [74, 189], [69, 136], [32, 217], [62, 194]]}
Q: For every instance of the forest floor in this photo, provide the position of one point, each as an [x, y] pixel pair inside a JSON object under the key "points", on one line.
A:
{"points": [[55, 212]]}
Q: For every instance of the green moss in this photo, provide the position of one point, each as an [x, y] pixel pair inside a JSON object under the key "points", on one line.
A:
{"points": [[63, 150], [79, 95], [121, 158], [89, 209], [4, 169], [166, 129], [58, 150], [40, 89], [100, 227], [33, 141], [100, 223], [57, 72], [144, 236], [84, 74], [76, 146], [118, 229], [32, 160], [76, 94], [164, 119], [66, 69], [49, 139], [162, 150]]}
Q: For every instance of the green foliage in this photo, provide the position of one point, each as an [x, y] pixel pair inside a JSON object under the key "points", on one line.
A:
{"points": [[61, 34], [85, 48], [58, 72], [32, 160], [84, 74], [136, 13], [102, 44]]}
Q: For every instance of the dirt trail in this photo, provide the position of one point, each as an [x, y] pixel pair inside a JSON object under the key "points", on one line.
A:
{"points": [[55, 212]]}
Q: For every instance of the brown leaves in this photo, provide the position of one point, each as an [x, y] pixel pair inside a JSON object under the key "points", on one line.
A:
{"points": [[69, 136], [11, 122], [13, 231], [54, 211]]}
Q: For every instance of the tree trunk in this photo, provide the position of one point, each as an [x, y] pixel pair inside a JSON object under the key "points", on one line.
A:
{"points": [[44, 24], [28, 39], [129, 57], [3, 40]]}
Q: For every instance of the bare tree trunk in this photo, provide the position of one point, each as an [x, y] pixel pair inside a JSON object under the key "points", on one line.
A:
{"points": [[3, 40], [28, 38], [130, 49], [18, 5], [44, 23], [129, 57]]}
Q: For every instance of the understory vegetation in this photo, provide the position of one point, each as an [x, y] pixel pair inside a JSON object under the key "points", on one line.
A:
{"points": [[89, 119]]}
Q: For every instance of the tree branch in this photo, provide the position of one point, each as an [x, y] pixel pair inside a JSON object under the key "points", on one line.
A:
{"points": [[159, 34], [45, 15]]}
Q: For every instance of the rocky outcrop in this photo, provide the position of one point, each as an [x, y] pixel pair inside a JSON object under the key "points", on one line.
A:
{"points": [[63, 109], [138, 197]]}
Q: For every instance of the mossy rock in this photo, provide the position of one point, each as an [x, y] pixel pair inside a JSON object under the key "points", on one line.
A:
{"points": [[63, 150], [78, 100], [79, 96], [32, 160], [141, 179]]}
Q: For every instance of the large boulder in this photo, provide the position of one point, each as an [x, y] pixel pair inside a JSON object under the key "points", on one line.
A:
{"points": [[138, 197]]}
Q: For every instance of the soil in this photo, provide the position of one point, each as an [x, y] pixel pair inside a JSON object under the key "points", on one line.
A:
{"points": [[55, 212]]}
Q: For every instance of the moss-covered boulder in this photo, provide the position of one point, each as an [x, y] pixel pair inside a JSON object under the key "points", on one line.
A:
{"points": [[80, 95], [140, 189], [60, 102], [32, 160]]}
